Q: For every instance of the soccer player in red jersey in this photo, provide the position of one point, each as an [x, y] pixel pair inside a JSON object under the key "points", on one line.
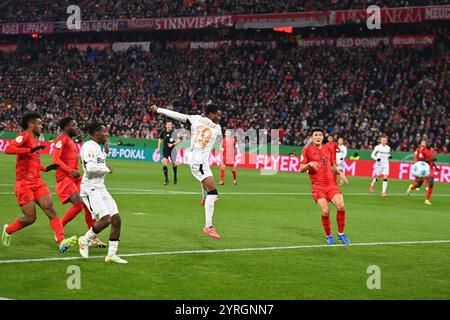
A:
{"points": [[320, 162], [424, 153], [29, 186], [68, 178], [229, 150]]}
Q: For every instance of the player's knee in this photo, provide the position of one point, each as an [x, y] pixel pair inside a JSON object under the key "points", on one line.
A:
{"points": [[116, 220], [340, 207], [325, 211], [27, 220]]}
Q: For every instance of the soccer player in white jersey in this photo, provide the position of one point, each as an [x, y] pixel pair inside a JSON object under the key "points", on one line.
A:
{"points": [[340, 157], [95, 195], [381, 154], [204, 131]]}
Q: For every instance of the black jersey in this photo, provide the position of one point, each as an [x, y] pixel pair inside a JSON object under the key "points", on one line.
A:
{"points": [[167, 137]]}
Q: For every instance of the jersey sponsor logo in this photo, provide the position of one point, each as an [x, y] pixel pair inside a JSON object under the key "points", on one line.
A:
{"points": [[58, 145], [100, 160], [19, 139]]}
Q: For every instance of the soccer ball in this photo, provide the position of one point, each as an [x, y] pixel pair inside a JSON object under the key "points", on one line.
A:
{"points": [[420, 170]]}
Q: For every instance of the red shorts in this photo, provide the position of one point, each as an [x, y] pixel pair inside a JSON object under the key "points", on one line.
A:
{"points": [[327, 192], [67, 187], [27, 191]]}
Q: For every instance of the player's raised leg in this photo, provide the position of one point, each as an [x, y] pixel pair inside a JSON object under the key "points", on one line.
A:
{"points": [[325, 211], [46, 204], [372, 184], [338, 201], [210, 186], [417, 184]]}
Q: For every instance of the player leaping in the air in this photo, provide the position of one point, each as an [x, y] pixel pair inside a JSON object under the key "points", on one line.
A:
{"points": [[29, 186], [424, 153], [95, 195], [230, 151], [320, 162], [381, 154], [204, 131], [68, 178]]}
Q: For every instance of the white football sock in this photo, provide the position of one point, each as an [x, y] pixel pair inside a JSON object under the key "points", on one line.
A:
{"points": [[112, 248], [209, 209], [90, 235], [385, 184]]}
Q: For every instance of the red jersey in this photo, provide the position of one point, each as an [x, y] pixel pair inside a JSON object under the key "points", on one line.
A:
{"points": [[334, 147], [325, 158], [65, 153], [28, 165], [228, 150]]}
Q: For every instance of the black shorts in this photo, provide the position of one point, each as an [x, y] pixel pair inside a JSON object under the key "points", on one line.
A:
{"points": [[168, 154]]}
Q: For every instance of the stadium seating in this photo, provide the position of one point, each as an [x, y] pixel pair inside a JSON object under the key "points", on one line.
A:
{"points": [[353, 92]]}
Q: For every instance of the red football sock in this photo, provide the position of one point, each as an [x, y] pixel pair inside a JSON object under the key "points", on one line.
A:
{"points": [[340, 218], [326, 225], [222, 175], [234, 175], [429, 192], [88, 218], [71, 213], [426, 183], [58, 228], [14, 227]]}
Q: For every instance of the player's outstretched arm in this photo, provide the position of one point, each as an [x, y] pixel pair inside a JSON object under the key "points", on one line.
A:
{"points": [[171, 114], [341, 174], [373, 155], [56, 159]]}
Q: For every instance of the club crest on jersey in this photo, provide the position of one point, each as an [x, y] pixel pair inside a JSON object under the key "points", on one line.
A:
{"points": [[58, 145], [19, 139]]}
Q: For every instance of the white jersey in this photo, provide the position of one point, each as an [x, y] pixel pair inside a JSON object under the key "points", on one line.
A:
{"points": [[342, 154], [383, 153], [204, 133], [94, 165]]}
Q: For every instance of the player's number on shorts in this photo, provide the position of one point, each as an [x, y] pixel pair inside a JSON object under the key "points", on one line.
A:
{"points": [[203, 137]]}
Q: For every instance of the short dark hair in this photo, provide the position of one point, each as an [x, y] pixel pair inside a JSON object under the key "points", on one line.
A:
{"points": [[94, 127], [211, 108], [28, 117], [64, 122], [316, 129]]}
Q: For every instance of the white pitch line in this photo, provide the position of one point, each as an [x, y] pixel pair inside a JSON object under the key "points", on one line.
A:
{"points": [[363, 244]]}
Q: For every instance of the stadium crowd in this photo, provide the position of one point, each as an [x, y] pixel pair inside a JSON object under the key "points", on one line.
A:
{"points": [[357, 93], [44, 10]]}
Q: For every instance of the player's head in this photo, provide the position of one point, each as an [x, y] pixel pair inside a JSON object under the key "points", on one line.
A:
{"points": [[169, 125], [383, 140], [69, 126], [212, 111], [330, 138], [424, 143], [229, 133], [98, 132], [32, 121], [340, 141], [317, 136]]}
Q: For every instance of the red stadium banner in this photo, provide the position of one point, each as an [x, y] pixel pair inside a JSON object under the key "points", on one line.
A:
{"points": [[27, 28], [269, 21], [181, 23], [286, 163], [8, 47], [392, 15]]}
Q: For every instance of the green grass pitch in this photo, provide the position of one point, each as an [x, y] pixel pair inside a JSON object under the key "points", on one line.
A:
{"points": [[262, 211]]}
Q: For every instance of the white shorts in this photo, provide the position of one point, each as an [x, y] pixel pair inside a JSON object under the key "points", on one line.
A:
{"points": [[382, 170], [201, 171], [340, 165], [100, 203]]}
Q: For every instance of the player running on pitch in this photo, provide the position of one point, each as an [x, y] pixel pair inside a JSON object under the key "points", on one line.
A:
{"points": [[169, 142], [68, 178], [95, 195], [29, 186], [424, 153], [230, 151], [204, 131], [381, 154], [320, 163], [340, 157]]}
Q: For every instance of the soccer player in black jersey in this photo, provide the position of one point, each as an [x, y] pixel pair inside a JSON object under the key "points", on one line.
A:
{"points": [[169, 141]]}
